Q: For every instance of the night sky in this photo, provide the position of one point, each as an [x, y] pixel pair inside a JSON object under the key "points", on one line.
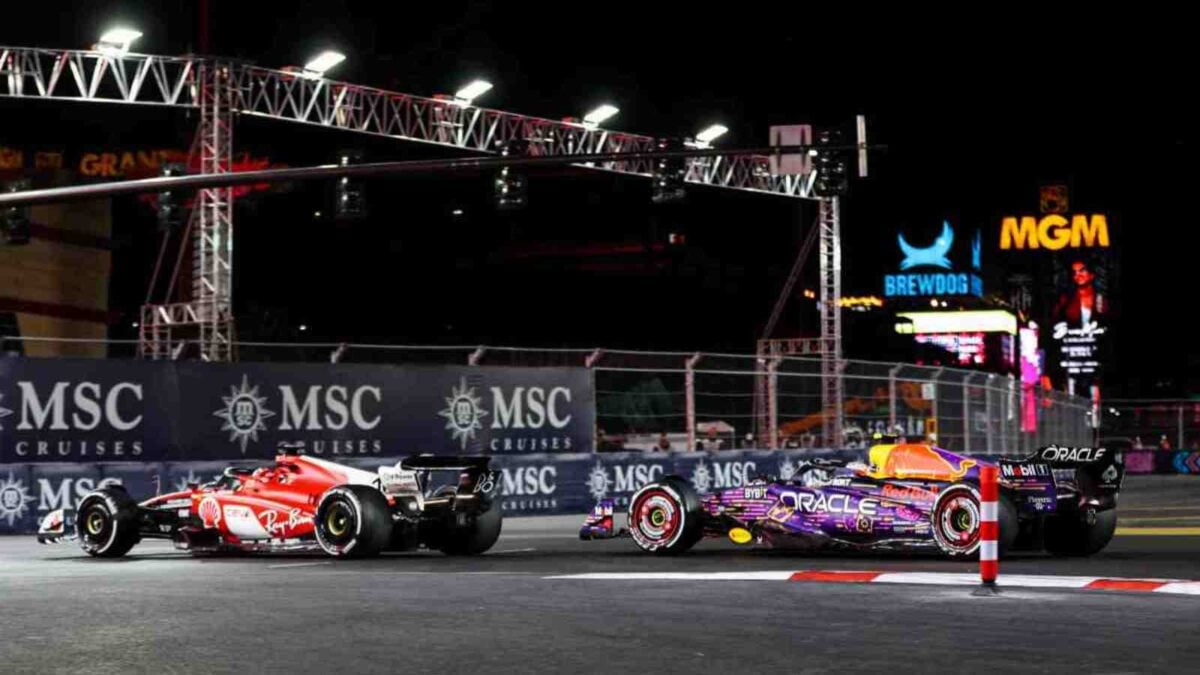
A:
{"points": [[976, 111]]}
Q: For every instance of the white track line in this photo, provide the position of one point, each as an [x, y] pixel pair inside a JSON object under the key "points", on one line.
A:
{"points": [[680, 576], [1168, 586]]}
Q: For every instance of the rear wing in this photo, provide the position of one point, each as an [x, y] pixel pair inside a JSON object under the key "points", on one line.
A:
{"points": [[1092, 471], [445, 463]]}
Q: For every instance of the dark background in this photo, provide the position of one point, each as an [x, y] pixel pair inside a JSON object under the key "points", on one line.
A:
{"points": [[976, 111]]}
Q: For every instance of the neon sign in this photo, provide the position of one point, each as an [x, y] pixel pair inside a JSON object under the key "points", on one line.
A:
{"points": [[937, 254], [933, 255], [1054, 232], [967, 348]]}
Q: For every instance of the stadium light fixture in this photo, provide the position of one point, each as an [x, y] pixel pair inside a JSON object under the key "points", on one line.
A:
{"points": [[116, 41], [321, 63], [601, 113], [710, 134], [471, 91]]}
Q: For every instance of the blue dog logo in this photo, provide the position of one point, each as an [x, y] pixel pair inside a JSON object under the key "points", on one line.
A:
{"points": [[934, 255]]}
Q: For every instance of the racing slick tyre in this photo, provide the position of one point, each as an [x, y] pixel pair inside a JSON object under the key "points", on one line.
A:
{"points": [[353, 521], [476, 537], [1071, 535], [107, 523], [665, 517], [957, 517]]}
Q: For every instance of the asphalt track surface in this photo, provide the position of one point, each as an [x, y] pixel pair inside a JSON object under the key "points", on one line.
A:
{"points": [[163, 611]]}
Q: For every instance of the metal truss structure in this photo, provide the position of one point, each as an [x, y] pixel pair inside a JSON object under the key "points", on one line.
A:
{"points": [[222, 88], [276, 94], [829, 220], [212, 259]]}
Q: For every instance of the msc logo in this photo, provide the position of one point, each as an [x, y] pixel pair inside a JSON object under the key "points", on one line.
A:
{"points": [[525, 408], [721, 475], [626, 478], [14, 499], [83, 406], [529, 480], [245, 413], [70, 491], [463, 412], [1054, 232]]}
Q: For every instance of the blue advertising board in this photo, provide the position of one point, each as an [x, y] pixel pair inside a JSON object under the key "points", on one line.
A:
{"points": [[77, 410]]}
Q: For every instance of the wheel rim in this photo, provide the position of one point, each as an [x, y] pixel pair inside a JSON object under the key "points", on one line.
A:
{"points": [[340, 522], [96, 525], [957, 522], [657, 516]]}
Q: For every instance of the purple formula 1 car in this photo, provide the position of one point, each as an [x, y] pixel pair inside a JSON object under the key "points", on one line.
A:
{"points": [[909, 497]]}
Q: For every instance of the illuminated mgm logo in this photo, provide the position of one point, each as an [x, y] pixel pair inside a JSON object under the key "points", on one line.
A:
{"points": [[1054, 232]]}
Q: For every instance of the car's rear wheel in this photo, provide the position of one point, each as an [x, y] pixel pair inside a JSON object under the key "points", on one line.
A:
{"points": [[665, 517], [106, 523], [353, 521], [1072, 534], [476, 537]]}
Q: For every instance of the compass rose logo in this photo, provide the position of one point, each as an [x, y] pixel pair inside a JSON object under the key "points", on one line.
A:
{"points": [[245, 414], [462, 412]]}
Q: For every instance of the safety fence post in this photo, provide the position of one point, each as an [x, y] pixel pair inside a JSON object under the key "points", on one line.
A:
{"points": [[989, 528], [689, 387], [773, 404]]}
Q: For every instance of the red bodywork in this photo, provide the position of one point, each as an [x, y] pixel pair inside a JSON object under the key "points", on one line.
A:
{"points": [[266, 506]]}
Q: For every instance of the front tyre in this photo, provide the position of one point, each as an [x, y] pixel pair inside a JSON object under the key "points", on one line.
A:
{"points": [[957, 516], [665, 517], [353, 521], [107, 523]]}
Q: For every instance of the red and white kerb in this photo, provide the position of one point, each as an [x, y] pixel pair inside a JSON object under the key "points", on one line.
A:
{"points": [[989, 525]]}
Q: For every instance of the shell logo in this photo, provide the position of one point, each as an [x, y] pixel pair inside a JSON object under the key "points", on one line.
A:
{"points": [[209, 512]]}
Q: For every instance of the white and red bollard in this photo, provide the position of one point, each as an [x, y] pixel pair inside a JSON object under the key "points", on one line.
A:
{"points": [[989, 527]]}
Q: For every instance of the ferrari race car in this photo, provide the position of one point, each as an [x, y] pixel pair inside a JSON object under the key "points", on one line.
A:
{"points": [[299, 504], [908, 497]]}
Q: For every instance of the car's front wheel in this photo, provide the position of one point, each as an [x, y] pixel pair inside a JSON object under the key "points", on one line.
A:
{"points": [[957, 517], [107, 523], [665, 517]]}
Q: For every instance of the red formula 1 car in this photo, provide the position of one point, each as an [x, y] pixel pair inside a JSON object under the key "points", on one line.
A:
{"points": [[300, 503]]}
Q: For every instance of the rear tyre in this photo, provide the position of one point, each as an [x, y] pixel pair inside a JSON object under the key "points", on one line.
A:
{"points": [[665, 517], [1070, 535], [1010, 527], [107, 523], [477, 537], [353, 521]]}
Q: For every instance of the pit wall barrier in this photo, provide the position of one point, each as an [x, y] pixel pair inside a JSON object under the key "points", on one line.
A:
{"points": [[536, 484]]}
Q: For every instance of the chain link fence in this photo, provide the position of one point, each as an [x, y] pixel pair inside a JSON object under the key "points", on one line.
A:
{"points": [[684, 400], [1166, 424]]}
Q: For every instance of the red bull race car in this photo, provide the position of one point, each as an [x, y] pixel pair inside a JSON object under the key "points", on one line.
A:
{"points": [[906, 497], [300, 504]]}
